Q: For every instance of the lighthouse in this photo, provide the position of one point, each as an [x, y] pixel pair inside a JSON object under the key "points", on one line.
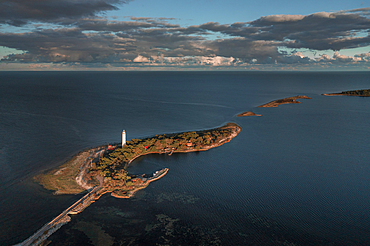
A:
{"points": [[123, 138]]}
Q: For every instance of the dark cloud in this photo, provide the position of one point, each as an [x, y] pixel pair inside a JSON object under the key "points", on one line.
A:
{"points": [[120, 26], [245, 49], [20, 12], [66, 45], [319, 31], [76, 45], [156, 41]]}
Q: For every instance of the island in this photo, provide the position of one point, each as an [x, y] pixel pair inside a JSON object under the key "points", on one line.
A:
{"points": [[248, 113], [287, 100], [102, 170], [358, 93]]}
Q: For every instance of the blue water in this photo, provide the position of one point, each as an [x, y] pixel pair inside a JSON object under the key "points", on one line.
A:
{"points": [[297, 175]]}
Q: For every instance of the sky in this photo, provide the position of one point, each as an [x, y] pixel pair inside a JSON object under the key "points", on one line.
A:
{"points": [[240, 35]]}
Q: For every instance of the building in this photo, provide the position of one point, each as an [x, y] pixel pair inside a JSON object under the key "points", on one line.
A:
{"points": [[123, 138]]}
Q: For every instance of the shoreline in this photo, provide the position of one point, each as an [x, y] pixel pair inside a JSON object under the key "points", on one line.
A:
{"points": [[223, 141], [333, 94], [114, 163], [248, 113], [355, 93], [164, 172], [287, 100], [340, 94], [74, 170], [84, 160]]}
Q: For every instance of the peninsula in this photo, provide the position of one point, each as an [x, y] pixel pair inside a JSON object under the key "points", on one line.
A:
{"points": [[358, 93], [102, 170], [112, 165], [248, 113], [287, 100]]}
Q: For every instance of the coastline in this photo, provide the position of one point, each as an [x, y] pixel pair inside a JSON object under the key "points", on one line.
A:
{"points": [[163, 172], [356, 93], [70, 177], [84, 160], [84, 179], [288, 100], [205, 148], [248, 113], [114, 163], [333, 94], [342, 94]]}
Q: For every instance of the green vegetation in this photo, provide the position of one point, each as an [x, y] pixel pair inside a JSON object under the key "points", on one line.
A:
{"points": [[360, 93], [62, 180], [248, 113], [112, 165], [287, 100]]}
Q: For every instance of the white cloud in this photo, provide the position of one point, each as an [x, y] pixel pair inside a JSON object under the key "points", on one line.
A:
{"points": [[340, 57], [140, 58], [216, 61], [324, 57], [364, 56], [145, 42], [282, 18], [337, 57], [324, 15]]}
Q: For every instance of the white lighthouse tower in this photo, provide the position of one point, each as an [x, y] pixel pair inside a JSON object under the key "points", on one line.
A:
{"points": [[123, 138]]}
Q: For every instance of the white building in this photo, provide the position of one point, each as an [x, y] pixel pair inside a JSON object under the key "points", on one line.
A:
{"points": [[123, 138]]}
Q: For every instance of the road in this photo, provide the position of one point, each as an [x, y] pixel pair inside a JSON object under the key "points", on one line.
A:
{"points": [[62, 217]]}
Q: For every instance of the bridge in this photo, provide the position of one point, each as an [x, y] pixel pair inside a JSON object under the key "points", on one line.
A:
{"points": [[62, 218]]}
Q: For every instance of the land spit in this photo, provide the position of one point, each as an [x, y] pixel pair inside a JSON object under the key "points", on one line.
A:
{"points": [[248, 113], [98, 177], [358, 93], [287, 100]]}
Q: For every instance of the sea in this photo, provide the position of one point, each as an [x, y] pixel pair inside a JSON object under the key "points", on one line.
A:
{"points": [[297, 175]]}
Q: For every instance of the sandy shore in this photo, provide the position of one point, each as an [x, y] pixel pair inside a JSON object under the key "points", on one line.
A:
{"points": [[76, 172]]}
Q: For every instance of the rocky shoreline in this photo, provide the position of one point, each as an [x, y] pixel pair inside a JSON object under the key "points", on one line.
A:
{"points": [[248, 113], [356, 93], [84, 161], [204, 148], [83, 172], [287, 100], [114, 163]]}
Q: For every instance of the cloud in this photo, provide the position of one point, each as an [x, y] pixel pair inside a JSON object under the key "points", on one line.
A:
{"points": [[319, 31], [145, 41], [217, 61], [364, 56], [140, 58], [295, 58], [103, 25], [281, 18], [20, 12], [65, 45], [338, 58]]}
